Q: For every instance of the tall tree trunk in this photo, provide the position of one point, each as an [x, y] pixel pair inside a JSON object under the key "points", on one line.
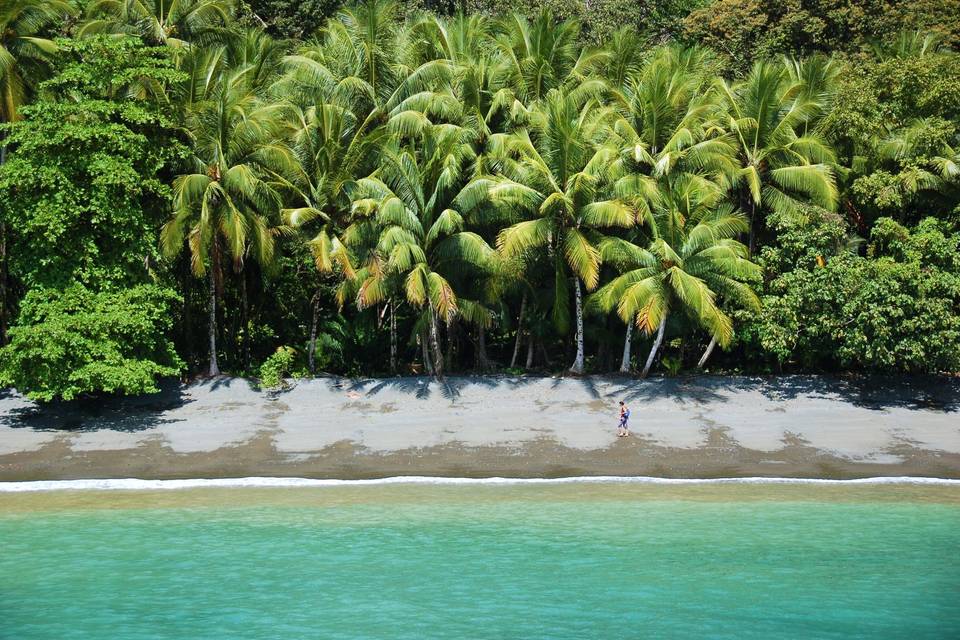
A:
{"points": [[483, 362], [625, 361], [453, 338], [516, 344], [753, 213], [656, 346], [706, 354], [312, 351], [212, 327], [577, 367], [393, 336], [3, 283], [186, 281], [245, 319], [435, 343], [427, 364], [3, 258], [529, 352]]}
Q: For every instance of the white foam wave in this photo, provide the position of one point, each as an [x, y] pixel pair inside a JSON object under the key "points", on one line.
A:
{"points": [[135, 484]]}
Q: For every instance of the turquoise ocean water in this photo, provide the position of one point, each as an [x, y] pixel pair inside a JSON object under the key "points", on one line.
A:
{"points": [[473, 561]]}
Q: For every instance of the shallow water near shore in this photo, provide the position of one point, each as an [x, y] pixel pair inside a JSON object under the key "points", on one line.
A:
{"points": [[484, 560]]}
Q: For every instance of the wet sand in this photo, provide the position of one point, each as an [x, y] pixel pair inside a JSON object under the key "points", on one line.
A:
{"points": [[693, 427]]}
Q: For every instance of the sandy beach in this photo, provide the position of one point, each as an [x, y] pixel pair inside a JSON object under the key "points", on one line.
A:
{"points": [[689, 427]]}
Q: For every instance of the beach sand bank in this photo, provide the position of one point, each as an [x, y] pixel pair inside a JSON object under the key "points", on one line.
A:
{"points": [[691, 427]]}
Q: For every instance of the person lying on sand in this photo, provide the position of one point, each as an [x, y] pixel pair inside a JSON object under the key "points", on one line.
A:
{"points": [[622, 428]]}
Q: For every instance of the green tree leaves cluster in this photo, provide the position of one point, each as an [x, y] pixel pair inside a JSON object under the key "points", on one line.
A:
{"points": [[896, 309], [81, 197], [88, 183], [73, 342], [743, 31]]}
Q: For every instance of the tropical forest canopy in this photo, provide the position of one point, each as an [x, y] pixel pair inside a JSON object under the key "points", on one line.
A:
{"points": [[280, 187]]}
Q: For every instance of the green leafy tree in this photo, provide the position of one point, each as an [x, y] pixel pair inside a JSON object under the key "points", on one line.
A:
{"points": [[74, 342], [893, 123], [744, 31], [84, 190], [893, 310], [330, 145], [363, 44]]}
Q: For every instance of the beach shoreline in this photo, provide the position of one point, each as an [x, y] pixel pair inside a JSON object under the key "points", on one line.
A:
{"points": [[480, 427]]}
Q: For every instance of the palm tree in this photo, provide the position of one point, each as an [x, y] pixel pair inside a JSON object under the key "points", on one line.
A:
{"points": [[921, 157], [628, 51], [411, 213], [689, 259], [536, 56], [783, 160], [177, 23], [463, 47], [23, 54], [908, 44], [558, 170], [666, 132], [331, 147], [226, 206], [364, 37]]}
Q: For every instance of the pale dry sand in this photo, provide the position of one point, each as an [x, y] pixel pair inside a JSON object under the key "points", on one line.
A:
{"points": [[795, 426]]}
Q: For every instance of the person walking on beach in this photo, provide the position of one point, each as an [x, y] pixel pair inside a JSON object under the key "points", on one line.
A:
{"points": [[623, 429]]}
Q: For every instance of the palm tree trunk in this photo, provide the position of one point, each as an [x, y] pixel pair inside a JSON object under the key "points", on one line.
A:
{"points": [[516, 344], [186, 281], [656, 346], [3, 283], [706, 354], [529, 352], [435, 343], [625, 361], [753, 212], [3, 258], [245, 320], [312, 351], [212, 326], [427, 365], [577, 368], [452, 342], [393, 336], [483, 362]]}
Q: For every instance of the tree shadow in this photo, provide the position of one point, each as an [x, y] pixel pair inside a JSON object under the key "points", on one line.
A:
{"points": [[876, 392], [129, 414], [682, 389], [423, 387], [587, 382]]}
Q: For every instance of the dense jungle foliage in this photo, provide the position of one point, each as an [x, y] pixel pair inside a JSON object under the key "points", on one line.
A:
{"points": [[296, 187]]}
